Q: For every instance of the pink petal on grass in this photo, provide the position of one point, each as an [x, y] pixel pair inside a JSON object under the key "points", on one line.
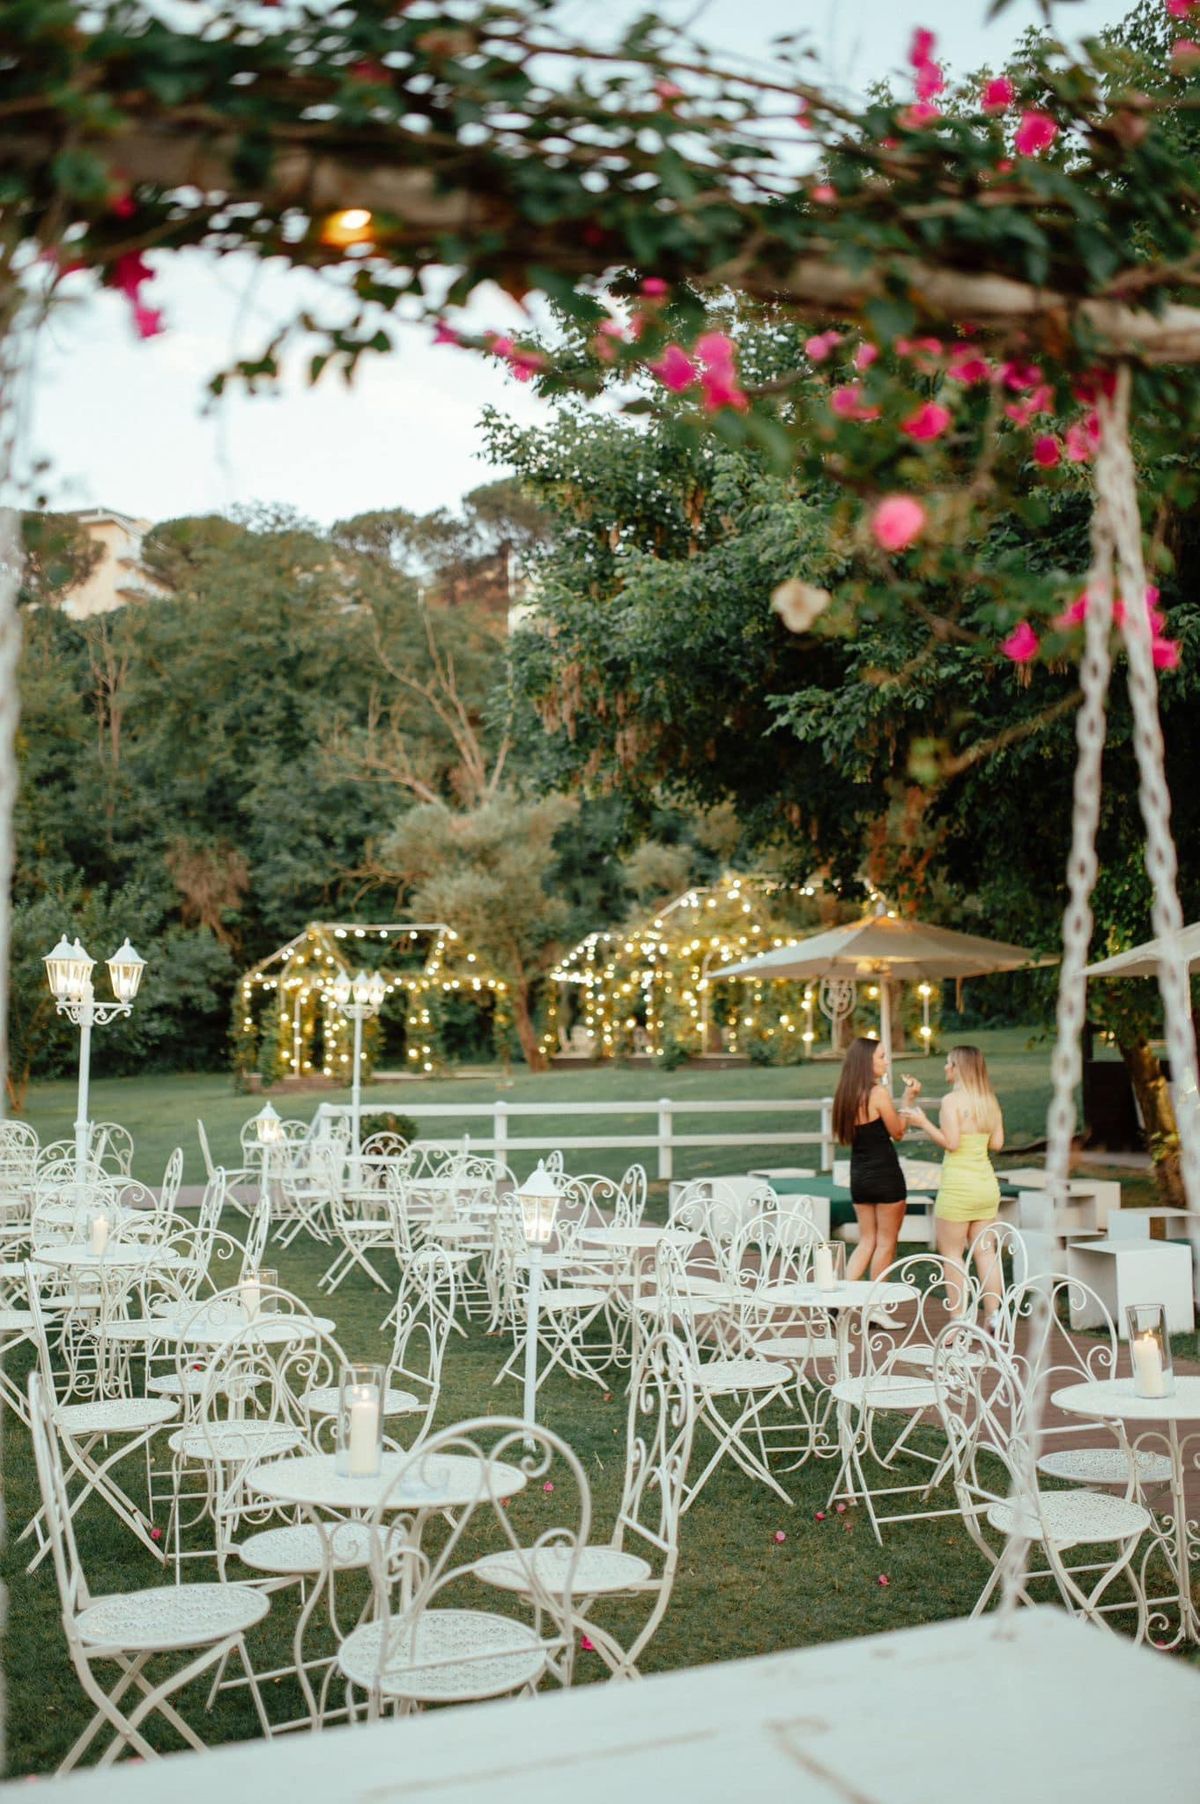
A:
{"points": [[897, 521], [779, 1536], [841, 1509], [547, 1487], [883, 1579], [820, 1516], [587, 1644]]}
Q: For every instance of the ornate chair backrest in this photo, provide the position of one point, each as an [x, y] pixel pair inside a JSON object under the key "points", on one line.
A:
{"points": [[172, 1179], [262, 1367], [886, 1331], [780, 1246], [411, 1575], [1062, 1357], [256, 1236], [586, 1201], [718, 1208], [658, 1446], [205, 1148], [630, 1201], [424, 1318], [998, 1245], [981, 1401], [111, 1146], [52, 1483], [554, 1163]]}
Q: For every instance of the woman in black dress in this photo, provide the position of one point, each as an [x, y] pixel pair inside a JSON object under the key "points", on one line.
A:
{"points": [[867, 1121]]}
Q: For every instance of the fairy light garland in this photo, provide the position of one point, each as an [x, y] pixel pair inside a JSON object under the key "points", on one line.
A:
{"points": [[292, 990]]}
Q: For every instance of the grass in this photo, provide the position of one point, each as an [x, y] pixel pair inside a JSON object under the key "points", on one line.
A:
{"points": [[161, 1111]]}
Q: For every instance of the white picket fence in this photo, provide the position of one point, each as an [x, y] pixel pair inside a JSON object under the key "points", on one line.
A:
{"points": [[664, 1140]]}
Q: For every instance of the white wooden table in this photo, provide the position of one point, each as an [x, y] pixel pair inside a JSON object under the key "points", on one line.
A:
{"points": [[1084, 1718]]}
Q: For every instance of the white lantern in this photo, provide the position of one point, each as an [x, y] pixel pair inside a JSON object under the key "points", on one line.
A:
{"points": [[268, 1126], [339, 989], [363, 989], [538, 1197], [378, 991], [80, 976], [125, 969], [59, 965]]}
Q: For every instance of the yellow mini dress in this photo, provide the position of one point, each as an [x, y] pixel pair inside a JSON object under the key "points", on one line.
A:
{"points": [[970, 1189]]}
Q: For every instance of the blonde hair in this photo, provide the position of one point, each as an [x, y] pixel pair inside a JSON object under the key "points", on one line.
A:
{"points": [[979, 1106]]}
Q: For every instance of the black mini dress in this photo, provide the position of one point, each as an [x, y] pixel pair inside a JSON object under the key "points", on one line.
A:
{"points": [[875, 1174]]}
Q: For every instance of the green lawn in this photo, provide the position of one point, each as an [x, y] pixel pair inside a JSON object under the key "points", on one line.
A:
{"points": [[161, 1111]]}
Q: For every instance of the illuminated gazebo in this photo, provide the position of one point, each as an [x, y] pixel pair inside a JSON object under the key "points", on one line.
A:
{"points": [[642, 989], [289, 993]]}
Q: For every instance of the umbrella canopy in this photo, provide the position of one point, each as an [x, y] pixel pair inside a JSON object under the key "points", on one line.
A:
{"points": [[1144, 960], [883, 946], [890, 950]]}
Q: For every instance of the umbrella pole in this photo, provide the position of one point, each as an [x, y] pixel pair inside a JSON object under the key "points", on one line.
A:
{"points": [[885, 1026]]}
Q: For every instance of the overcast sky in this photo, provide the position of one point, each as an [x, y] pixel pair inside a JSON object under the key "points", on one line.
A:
{"points": [[123, 423]]}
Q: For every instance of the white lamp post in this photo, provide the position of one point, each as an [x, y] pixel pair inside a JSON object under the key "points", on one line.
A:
{"points": [[268, 1130], [69, 973], [359, 998], [538, 1197]]}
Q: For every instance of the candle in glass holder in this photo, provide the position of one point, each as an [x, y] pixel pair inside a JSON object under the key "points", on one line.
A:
{"points": [[823, 1268], [250, 1296], [99, 1234], [1149, 1380], [363, 1436]]}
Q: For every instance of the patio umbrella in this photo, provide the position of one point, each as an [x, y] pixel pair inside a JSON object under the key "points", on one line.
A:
{"points": [[1144, 960], [887, 949]]}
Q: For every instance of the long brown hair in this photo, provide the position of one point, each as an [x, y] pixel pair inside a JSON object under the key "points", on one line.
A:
{"points": [[854, 1086]]}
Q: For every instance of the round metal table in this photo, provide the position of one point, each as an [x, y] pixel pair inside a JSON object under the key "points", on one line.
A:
{"points": [[1152, 1425]]}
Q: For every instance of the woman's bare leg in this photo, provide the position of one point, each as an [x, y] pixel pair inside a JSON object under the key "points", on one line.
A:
{"points": [[951, 1244], [860, 1258], [889, 1219], [989, 1268]]}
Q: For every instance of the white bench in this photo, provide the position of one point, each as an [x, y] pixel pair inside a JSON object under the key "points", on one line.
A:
{"points": [[1122, 1270]]}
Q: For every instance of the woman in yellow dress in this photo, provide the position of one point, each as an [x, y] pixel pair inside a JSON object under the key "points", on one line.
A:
{"points": [[968, 1198]]}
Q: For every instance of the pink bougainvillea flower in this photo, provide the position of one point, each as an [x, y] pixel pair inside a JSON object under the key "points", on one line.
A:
{"points": [[444, 334], [1165, 653], [720, 387], [1179, 9], [1185, 51], [967, 366], [820, 1516], [1036, 132], [147, 321], [897, 522], [841, 1509], [1040, 401], [823, 194], [865, 356], [123, 205], [129, 272], [919, 116], [883, 1579], [998, 95], [780, 1536], [930, 81], [714, 349], [1047, 452], [523, 364], [911, 347], [156, 1534], [818, 347], [921, 46], [1082, 438], [848, 404], [803, 116], [1075, 615], [375, 75], [548, 1487], [1022, 644], [929, 422], [668, 92], [655, 287], [675, 369], [1020, 376]]}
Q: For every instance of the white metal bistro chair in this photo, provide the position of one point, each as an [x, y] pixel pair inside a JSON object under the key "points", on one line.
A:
{"points": [[982, 1403], [98, 1433], [733, 1389], [127, 1630], [640, 1559], [428, 1642]]}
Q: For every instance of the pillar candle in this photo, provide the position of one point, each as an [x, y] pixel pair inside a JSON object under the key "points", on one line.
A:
{"points": [[363, 1438], [99, 1233], [823, 1268], [251, 1297], [1148, 1378]]}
